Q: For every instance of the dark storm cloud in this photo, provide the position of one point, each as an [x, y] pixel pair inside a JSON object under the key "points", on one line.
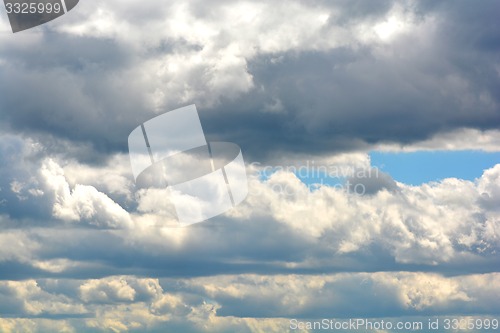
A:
{"points": [[93, 90], [338, 99], [68, 88]]}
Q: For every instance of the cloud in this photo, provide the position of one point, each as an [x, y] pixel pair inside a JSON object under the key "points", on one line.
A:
{"points": [[446, 227], [107, 290], [347, 295], [236, 302], [35, 187], [370, 181], [460, 139], [84, 249], [339, 76], [84, 203], [28, 299]]}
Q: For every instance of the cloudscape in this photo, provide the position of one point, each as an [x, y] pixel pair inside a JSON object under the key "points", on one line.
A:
{"points": [[371, 136]]}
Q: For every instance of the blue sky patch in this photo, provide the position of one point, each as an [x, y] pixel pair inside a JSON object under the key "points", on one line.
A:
{"points": [[416, 168]]}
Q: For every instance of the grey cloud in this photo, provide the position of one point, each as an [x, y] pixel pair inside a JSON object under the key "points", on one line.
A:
{"points": [[370, 182], [18, 181], [332, 106], [438, 76], [73, 100]]}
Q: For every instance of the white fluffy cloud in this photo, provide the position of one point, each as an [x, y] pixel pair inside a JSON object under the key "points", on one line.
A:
{"points": [[432, 223], [448, 222]]}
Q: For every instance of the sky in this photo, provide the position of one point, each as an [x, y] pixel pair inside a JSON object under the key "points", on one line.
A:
{"points": [[396, 102], [425, 166]]}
